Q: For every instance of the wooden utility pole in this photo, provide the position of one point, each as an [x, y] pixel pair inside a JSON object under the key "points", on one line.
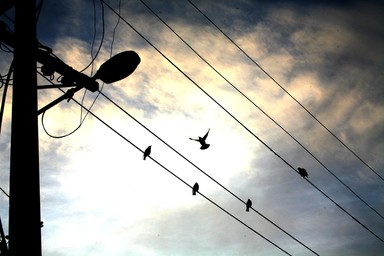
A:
{"points": [[24, 186], [24, 182]]}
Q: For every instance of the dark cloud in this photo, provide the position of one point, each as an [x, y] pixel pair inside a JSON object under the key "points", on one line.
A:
{"points": [[335, 48]]}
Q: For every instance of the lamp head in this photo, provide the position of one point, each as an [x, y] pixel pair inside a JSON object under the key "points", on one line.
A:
{"points": [[118, 67]]}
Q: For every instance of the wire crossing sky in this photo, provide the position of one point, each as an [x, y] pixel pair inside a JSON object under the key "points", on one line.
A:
{"points": [[205, 173], [246, 128], [290, 95], [98, 195], [257, 105], [88, 111], [211, 201]]}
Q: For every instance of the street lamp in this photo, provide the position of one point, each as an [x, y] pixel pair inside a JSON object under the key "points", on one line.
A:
{"points": [[116, 68], [24, 185]]}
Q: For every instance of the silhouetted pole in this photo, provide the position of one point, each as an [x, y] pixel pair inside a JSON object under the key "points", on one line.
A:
{"points": [[3, 243], [24, 184]]}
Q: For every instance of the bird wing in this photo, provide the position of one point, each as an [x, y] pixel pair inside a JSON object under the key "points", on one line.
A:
{"points": [[206, 135]]}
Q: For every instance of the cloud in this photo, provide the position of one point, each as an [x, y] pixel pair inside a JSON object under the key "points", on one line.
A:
{"points": [[98, 194]]}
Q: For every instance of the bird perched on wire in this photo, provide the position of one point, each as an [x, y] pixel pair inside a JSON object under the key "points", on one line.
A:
{"points": [[249, 205], [195, 188], [204, 145], [303, 172], [147, 152]]}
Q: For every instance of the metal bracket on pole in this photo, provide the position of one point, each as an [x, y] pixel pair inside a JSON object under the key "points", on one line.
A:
{"points": [[68, 95]]}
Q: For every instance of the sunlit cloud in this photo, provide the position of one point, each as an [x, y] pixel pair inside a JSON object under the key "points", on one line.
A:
{"points": [[99, 196]]}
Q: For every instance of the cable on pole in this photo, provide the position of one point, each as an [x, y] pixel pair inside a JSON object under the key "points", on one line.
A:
{"points": [[224, 109]]}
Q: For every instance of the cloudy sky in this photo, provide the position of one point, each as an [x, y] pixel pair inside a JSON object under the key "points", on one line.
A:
{"points": [[278, 84]]}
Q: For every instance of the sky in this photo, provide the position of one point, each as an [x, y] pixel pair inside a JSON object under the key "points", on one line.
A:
{"points": [[278, 85]]}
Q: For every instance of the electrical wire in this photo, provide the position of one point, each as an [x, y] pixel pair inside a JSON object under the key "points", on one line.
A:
{"points": [[205, 173], [82, 119], [290, 95], [253, 103], [214, 180], [114, 29], [238, 121], [38, 9], [5, 193], [5, 48], [5, 93], [76, 128], [94, 37], [93, 58], [88, 111], [211, 201], [208, 199]]}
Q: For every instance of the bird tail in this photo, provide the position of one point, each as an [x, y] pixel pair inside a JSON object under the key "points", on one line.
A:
{"points": [[247, 210], [193, 193]]}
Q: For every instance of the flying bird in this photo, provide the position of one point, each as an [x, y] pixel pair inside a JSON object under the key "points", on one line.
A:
{"points": [[303, 172], [195, 188], [147, 152], [249, 205], [204, 145]]}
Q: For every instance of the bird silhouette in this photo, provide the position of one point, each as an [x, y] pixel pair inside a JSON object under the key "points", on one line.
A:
{"points": [[303, 172], [204, 145], [147, 152], [249, 205], [195, 188]]}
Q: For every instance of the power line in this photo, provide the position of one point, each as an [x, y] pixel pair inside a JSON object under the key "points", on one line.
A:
{"points": [[290, 95], [214, 180], [2, 107], [118, 106], [252, 102], [206, 174], [4, 192], [190, 79], [81, 118], [114, 29], [210, 200], [93, 58]]}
